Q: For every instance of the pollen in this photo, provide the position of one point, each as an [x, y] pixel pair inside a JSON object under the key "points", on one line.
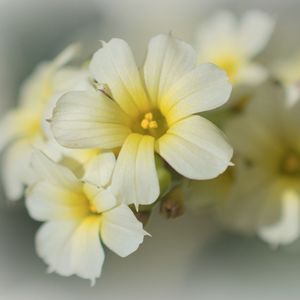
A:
{"points": [[148, 122]]}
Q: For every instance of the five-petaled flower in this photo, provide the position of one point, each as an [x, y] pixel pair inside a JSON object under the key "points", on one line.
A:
{"points": [[78, 213], [265, 197], [232, 44], [146, 112], [25, 127]]}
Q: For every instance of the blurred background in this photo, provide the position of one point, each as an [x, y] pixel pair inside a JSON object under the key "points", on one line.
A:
{"points": [[187, 257]]}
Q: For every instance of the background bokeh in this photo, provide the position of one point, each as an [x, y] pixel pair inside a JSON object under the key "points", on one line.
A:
{"points": [[187, 258]]}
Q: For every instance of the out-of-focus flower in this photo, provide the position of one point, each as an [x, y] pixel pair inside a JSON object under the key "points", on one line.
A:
{"points": [[265, 198], [232, 44], [25, 127], [78, 214], [287, 71], [144, 113]]}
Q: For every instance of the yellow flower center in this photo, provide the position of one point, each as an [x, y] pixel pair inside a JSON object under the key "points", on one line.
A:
{"points": [[89, 193], [151, 123], [290, 164], [148, 122], [31, 125], [92, 208], [231, 64]]}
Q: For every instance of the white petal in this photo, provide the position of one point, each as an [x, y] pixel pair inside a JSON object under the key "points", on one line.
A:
{"points": [[252, 74], [64, 80], [269, 95], [87, 252], [66, 55], [121, 231], [135, 179], [17, 124], [9, 129], [56, 174], [89, 120], [195, 148], [168, 59], [99, 170], [115, 66], [252, 139], [217, 35], [37, 88], [102, 198], [70, 78], [46, 201], [16, 171], [204, 88], [293, 94], [287, 229], [72, 248], [50, 78], [53, 245], [254, 201], [255, 32]]}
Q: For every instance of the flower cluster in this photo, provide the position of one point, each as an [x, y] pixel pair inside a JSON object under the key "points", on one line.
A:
{"points": [[95, 146], [261, 194]]}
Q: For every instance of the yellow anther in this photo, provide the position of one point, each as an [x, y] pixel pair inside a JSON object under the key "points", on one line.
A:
{"points": [[148, 122], [145, 124], [148, 116], [153, 125]]}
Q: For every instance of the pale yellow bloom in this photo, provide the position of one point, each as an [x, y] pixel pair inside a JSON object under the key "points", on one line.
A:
{"points": [[265, 196], [146, 112], [232, 44], [25, 127], [78, 214]]}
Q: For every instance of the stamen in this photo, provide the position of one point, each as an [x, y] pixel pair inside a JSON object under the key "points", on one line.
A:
{"points": [[148, 122], [149, 116], [153, 125], [145, 124]]}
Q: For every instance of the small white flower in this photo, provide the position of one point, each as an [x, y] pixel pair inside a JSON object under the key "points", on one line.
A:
{"points": [[147, 112], [232, 44], [26, 127], [78, 215], [266, 192]]}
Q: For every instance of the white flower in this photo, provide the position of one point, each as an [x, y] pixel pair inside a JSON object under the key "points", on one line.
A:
{"points": [[232, 44], [143, 113], [78, 215], [266, 194], [25, 126]]}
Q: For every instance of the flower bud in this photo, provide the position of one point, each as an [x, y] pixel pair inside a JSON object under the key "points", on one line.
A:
{"points": [[172, 205]]}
